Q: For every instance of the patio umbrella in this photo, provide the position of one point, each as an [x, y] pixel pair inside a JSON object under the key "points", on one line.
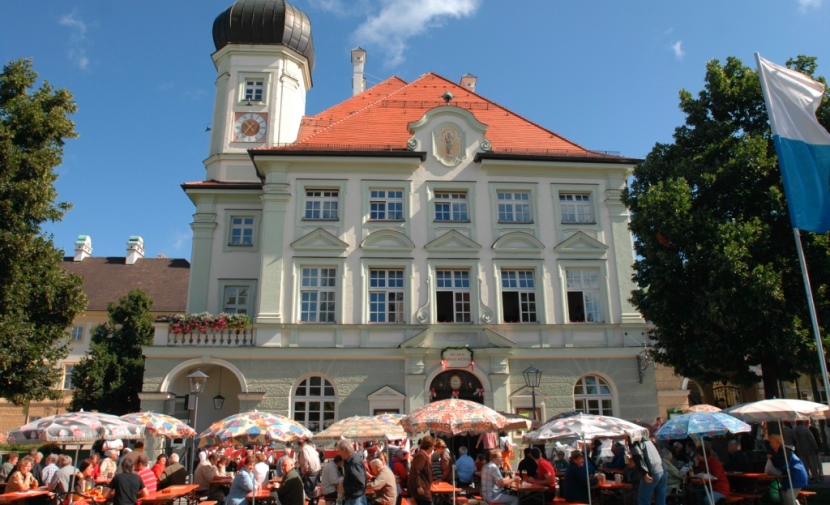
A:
{"points": [[454, 417], [703, 407], [361, 428], [573, 425], [259, 428], [390, 418], [516, 422], [161, 425], [699, 425], [782, 409]]}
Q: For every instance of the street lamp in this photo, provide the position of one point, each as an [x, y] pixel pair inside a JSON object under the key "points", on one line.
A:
{"points": [[532, 376], [219, 400], [197, 381]]}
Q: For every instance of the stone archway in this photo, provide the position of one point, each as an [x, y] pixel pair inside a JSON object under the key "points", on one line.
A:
{"points": [[466, 384]]}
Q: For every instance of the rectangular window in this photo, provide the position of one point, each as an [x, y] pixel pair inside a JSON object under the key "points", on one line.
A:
{"points": [[452, 296], [576, 208], [385, 296], [242, 231], [386, 205], [77, 333], [321, 204], [451, 206], [518, 296], [68, 372], [236, 300], [254, 89], [583, 296], [317, 295], [514, 207]]}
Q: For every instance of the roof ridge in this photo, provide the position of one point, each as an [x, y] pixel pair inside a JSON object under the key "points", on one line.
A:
{"points": [[358, 111]]}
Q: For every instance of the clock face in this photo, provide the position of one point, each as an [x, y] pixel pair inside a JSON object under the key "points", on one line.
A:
{"points": [[250, 127]]}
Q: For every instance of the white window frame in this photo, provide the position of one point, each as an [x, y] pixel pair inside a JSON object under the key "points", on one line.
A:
{"points": [[517, 276], [576, 208], [77, 334], [387, 289], [326, 416], [230, 215], [326, 196], [310, 281], [592, 190], [584, 397], [304, 226], [455, 276], [227, 284], [451, 199], [67, 373], [385, 201], [369, 264], [511, 202], [244, 78], [502, 227], [242, 224], [402, 225], [591, 295], [436, 227]]}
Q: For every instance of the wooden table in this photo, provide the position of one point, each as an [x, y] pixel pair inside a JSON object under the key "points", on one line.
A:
{"points": [[442, 488], [613, 488], [529, 492], [218, 482], [751, 482], [23, 495], [169, 495]]}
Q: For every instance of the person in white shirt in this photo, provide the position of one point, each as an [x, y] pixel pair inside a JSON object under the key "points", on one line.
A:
{"points": [[261, 469]]}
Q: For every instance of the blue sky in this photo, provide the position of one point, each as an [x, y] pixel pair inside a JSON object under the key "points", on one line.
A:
{"points": [[604, 74]]}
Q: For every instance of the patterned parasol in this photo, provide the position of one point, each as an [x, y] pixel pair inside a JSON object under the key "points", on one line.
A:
{"points": [[700, 424], [702, 408], [161, 425], [75, 427], [259, 428], [777, 410], [360, 428], [390, 418], [453, 417], [585, 426]]}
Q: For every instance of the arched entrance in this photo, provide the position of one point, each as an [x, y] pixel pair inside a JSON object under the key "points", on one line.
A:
{"points": [[463, 385], [456, 384]]}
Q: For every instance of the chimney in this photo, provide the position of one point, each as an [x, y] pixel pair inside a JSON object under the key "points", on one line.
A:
{"points": [[83, 247], [468, 82], [358, 81], [135, 249]]}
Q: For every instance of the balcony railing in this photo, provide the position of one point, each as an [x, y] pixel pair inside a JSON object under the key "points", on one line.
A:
{"points": [[214, 338]]}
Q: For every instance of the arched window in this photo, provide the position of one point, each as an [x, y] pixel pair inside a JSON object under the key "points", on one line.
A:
{"points": [[314, 402], [592, 395]]}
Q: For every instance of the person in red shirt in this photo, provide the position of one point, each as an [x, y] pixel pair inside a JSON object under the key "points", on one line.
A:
{"points": [[399, 467], [720, 484], [161, 464], [545, 474], [142, 468]]}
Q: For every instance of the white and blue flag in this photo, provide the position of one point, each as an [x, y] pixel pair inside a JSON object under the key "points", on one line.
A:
{"points": [[802, 144]]}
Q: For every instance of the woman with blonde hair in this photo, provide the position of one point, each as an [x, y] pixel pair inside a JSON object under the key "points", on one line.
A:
{"points": [[21, 478]]}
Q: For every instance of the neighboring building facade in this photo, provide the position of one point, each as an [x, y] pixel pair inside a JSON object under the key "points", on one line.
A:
{"points": [[106, 279], [404, 245]]}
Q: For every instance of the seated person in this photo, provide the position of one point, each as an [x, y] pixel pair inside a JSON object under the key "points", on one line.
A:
{"points": [[465, 468], [545, 474], [528, 464], [493, 483], [618, 462], [175, 474], [738, 460], [577, 484], [674, 476], [560, 463], [631, 475]]}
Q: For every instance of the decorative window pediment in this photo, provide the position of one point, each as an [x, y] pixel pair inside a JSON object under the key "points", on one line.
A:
{"points": [[320, 241], [387, 241], [387, 393], [453, 242], [581, 245], [518, 243]]}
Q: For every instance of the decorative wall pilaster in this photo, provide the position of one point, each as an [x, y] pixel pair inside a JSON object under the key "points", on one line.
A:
{"points": [[623, 255], [203, 226], [275, 199]]}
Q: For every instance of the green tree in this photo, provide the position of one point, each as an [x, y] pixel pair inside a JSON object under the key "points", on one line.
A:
{"points": [[111, 374], [38, 300], [718, 272]]}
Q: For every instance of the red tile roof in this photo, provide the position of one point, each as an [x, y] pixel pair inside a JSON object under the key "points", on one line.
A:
{"points": [[380, 117], [107, 279]]}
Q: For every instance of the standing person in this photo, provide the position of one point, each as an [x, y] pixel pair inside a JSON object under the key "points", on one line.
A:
{"points": [[420, 472], [506, 447], [331, 476], [807, 448], [654, 479], [308, 460], [108, 465], [126, 487], [465, 467], [290, 491], [545, 474], [353, 486], [386, 489], [492, 482], [21, 479], [242, 484], [487, 442]]}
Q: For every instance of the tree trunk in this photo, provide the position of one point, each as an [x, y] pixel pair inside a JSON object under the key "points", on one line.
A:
{"points": [[770, 379]]}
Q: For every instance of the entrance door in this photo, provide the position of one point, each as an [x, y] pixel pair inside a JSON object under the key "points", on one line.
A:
{"points": [[468, 387]]}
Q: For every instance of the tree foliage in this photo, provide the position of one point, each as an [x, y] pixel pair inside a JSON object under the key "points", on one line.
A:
{"points": [[38, 300], [111, 374], [718, 271]]}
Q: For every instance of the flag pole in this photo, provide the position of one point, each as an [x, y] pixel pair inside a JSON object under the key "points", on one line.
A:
{"points": [[816, 332]]}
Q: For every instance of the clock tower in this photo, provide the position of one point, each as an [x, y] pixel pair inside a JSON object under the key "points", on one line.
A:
{"points": [[264, 58]]}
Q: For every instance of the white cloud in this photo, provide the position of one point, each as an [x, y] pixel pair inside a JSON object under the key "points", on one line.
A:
{"points": [[399, 20], [77, 39], [806, 5], [677, 47]]}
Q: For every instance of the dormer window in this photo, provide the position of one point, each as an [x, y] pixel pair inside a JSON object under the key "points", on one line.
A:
{"points": [[254, 89]]}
